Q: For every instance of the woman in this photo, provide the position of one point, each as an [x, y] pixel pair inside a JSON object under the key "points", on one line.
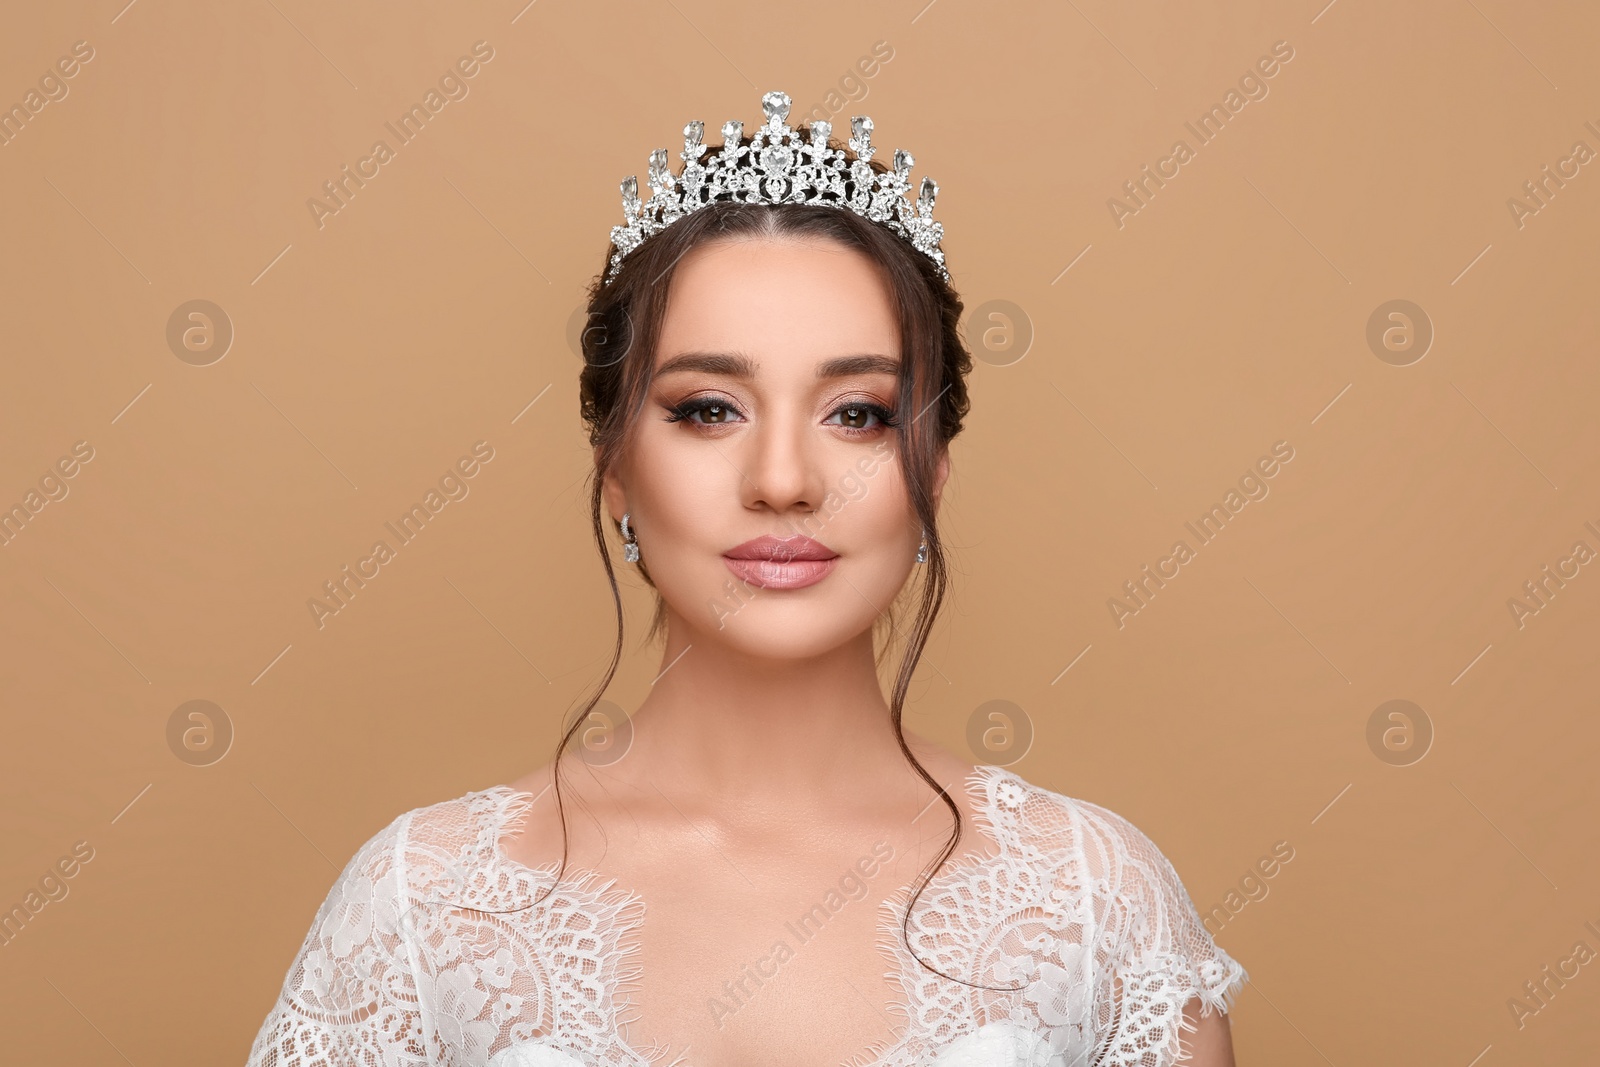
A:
{"points": [[773, 871]]}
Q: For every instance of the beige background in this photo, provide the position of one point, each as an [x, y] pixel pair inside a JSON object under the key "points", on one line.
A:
{"points": [[1229, 313]]}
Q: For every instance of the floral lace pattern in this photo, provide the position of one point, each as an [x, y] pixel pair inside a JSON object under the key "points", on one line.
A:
{"points": [[433, 948]]}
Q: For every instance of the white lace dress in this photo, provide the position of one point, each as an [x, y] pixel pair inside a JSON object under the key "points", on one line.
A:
{"points": [[408, 962]]}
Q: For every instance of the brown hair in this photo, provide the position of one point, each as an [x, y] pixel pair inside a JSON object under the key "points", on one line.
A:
{"points": [[624, 322]]}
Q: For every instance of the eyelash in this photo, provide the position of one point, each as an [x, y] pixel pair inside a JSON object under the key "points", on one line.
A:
{"points": [[886, 418]]}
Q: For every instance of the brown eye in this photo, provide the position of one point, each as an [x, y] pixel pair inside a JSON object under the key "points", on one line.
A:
{"points": [[705, 411], [862, 418]]}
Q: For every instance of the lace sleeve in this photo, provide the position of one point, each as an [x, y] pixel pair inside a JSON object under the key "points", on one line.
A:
{"points": [[350, 998], [1159, 953]]}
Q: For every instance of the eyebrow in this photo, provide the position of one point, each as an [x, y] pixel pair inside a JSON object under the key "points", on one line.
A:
{"points": [[735, 365]]}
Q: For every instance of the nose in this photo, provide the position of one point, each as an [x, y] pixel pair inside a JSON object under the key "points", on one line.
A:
{"points": [[784, 467]]}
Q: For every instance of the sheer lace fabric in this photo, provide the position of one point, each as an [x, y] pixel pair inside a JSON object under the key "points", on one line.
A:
{"points": [[430, 949]]}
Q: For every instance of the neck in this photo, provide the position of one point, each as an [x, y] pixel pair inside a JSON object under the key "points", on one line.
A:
{"points": [[722, 724]]}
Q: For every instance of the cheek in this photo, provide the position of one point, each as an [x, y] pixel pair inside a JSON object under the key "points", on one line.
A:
{"points": [[685, 490], [871, 516]]}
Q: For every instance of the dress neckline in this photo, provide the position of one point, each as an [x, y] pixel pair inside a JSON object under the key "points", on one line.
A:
{"points": [[514, 803]]}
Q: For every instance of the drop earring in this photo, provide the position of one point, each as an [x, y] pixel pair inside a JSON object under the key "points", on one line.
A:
{"points": [[630, 543], [922, 549]]}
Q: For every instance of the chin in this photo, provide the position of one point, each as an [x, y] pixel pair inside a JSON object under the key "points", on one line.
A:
{"points": [[783, 640], [788, 632]]}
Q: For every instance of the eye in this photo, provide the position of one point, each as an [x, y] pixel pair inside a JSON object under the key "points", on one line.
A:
{"points": [[856, 417], [718, 411]]}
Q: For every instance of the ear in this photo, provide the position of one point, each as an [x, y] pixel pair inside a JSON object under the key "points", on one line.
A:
{"points": [[941, 473], [612, 496]]}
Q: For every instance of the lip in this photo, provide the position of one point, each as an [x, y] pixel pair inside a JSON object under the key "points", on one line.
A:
{"points": [[781, 562]]}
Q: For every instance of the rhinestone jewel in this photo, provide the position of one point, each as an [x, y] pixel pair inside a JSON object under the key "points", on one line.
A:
{"points": [[775, 159], [781, 165], [692, 133], [861, 135], [776, 107]]}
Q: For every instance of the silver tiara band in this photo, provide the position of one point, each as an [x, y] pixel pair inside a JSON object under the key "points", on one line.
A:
{"points": [[779, 166]]}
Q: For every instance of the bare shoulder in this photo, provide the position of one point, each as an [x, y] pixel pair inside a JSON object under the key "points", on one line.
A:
{"points": [[949, 769], [946, 767], [535, 781], [533, 835]]}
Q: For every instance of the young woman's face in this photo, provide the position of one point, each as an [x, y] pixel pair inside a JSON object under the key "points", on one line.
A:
{"points": [[771, 417]]}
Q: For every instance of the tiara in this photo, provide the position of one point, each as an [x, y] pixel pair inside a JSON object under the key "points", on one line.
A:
{"points": [[778, 166]]}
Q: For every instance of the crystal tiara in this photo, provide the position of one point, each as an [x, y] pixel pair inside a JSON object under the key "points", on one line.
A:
{"points": [[778, 166]]}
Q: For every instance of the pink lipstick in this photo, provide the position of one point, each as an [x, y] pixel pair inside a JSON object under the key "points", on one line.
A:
{"points": [[781, 563]]}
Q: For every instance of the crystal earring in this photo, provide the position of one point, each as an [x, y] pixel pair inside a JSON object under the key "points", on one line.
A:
{"points": [[922, 549], [630, 543]]}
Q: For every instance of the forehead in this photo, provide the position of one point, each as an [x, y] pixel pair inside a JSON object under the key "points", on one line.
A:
{"points": [[785, 302]]}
